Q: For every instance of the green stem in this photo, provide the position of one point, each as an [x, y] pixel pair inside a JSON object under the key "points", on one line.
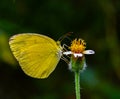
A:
{"points": [[77, 84]]}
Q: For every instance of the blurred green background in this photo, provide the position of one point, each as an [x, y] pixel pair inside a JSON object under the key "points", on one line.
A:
{"points": [[96, 21]]}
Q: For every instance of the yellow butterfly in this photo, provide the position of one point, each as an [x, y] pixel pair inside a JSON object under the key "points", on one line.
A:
{"points": [[37, 54]]}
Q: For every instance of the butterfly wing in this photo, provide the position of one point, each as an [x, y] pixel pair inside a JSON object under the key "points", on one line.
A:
{"points": [[37, 54]]}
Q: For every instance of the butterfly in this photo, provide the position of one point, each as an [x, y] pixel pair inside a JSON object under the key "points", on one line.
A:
{"points": [[37, 54]]}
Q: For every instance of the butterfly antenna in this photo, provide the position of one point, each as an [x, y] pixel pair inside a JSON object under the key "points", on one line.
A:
{"points": [[65, 36]]}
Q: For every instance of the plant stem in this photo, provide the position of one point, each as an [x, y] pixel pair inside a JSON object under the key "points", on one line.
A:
{"points": [[77, 84]]}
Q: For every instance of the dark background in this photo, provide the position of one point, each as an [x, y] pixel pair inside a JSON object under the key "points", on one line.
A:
{"points": [[96, 21]]}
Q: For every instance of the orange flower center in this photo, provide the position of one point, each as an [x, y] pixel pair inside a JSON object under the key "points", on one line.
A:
{"points": [[78, 46]]}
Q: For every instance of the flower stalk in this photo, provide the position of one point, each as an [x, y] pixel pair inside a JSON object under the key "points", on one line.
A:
{"points": [[77, 84]]}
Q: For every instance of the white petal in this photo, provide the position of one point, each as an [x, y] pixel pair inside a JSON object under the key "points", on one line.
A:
{"points": [[78, 54], [89, 52], [67, 53]]}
